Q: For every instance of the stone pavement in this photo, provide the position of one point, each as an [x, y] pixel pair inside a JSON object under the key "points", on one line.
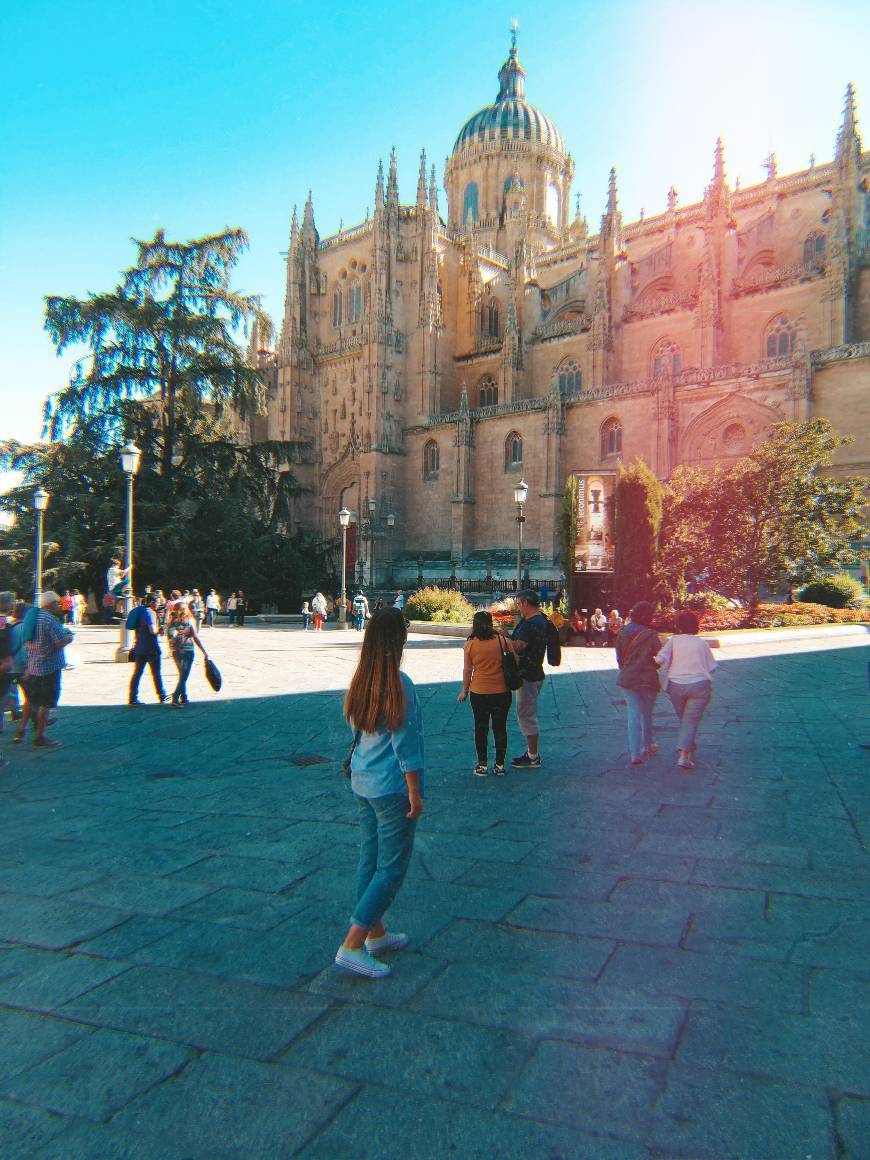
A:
{"points": [[607, 962]]}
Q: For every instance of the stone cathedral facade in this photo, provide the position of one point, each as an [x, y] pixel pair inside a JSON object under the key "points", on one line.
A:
{"points": [[435, 354]]}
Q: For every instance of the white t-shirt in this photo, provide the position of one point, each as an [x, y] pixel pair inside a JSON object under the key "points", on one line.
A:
{"points": [[688, 659], [212, 601]]}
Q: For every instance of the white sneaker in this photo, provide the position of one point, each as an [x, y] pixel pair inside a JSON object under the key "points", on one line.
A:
{"points": [[361, 963]]}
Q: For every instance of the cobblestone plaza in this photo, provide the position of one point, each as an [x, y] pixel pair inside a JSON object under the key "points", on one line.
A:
{"points": [[606, 962]]}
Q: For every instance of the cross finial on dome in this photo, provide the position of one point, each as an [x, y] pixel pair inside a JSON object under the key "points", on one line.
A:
{"points": [[511, 74], [515, 27]]}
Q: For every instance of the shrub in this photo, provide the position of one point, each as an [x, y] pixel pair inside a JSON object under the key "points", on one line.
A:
{"points": [[439, 606], [835, 591], [764, 616], [707, 599]]}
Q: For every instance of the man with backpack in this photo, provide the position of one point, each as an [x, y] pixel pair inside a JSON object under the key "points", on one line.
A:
{"points": [[530, 640], [146, 650]]}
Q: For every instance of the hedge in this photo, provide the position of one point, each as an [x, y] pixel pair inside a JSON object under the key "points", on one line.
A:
{"points": [[765, 616]]}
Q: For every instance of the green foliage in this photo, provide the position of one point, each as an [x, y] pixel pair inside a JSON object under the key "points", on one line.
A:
{"points": [[776, 518], [835, 591], [439, 605], [764, 616], [165, 333], [222, 519], [637, 523], [702, 601], [566, 529]]}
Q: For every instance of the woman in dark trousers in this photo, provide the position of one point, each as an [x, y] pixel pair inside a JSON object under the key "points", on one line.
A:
{"points": [[386, 777], [483, 678], [241, 608], [636, 648]]}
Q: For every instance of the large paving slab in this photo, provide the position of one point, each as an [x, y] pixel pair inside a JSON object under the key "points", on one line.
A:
{"points": [[607, 963]]}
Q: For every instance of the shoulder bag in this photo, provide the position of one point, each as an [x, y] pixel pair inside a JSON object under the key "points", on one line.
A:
{"points": [[509, 666]]}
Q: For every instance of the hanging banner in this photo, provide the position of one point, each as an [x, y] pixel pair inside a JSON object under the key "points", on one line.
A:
{"points": [[593, 542]]}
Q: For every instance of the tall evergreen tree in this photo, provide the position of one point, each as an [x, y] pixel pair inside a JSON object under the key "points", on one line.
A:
{"points": [[636, 527], [165, 333]]}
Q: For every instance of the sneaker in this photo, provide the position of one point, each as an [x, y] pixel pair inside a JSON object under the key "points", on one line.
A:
{"points": [[637, 761], [651, 749], [527, 761], [684, 761], [387, 942], [481, 770], [133, 704], [46, 743], [498, 770], [361, 963]]}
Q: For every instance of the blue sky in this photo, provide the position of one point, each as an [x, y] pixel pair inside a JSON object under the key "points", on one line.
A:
{"points": [[117, 119]]}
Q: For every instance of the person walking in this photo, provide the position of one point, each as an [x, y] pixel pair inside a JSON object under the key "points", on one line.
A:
{"points": [[241, 609], [212, 607], [636, 648], [197, 607], [318, 607], [688, 664], [386, 776], [360, 611], [78, 608], [146, 649], [183, 641], [483, 681], [530, 642], [306, 615], [231, 608], [45, 639]]}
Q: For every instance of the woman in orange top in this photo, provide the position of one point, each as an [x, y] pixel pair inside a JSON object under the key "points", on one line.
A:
{"points": [[491, 699]]}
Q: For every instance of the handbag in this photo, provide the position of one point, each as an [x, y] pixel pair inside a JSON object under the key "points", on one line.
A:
{"points": [[213, 674], [345, 765], [510, 668]]}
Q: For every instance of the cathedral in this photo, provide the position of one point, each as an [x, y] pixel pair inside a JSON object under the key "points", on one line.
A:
{"points": [[434, 356]]}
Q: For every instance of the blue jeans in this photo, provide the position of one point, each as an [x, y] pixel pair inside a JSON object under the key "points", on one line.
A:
{"points": [[359, 619], [184, 663], [386, 842], [640, 711], [689, 702]]}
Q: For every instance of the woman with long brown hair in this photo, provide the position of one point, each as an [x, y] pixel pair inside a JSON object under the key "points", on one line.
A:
{"points": [[386, 776], [483, 678]]}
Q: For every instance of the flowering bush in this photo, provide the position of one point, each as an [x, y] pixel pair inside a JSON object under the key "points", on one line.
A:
{"points": [[835, 591], [439, 606], [764, 616]]}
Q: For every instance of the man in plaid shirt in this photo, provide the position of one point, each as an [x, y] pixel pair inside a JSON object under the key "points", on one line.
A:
{"points": [[46, 638]]}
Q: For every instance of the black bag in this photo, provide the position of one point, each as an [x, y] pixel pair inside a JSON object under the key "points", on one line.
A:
{"points": [[509, 666], [213, 674], [345, 765], [131, 656], [554, 645]]}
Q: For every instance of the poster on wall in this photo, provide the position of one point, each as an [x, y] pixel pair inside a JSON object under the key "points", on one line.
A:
{"points": [[593, 541]]}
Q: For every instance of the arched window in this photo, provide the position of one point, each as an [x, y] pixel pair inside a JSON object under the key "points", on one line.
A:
{"points": [[570, 379], [431, 460], [469, 202], [336, 308], [814, 248], [780, 338], [513, 452], [667, 358], [354, 302], [611, 438], [487, 394], [554, 199]]}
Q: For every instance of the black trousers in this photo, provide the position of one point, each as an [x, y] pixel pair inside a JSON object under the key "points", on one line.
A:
{"points": [[153, 663], [488, 707]]}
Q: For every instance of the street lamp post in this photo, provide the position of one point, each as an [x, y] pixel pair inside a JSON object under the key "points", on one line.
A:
{"points": [[130, 457], [344, 520], [521, 491], [391, 523], [372, 509], [40, 502]]}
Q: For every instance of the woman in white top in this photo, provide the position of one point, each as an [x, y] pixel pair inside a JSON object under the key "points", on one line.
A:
{"points": [[688, 665]]}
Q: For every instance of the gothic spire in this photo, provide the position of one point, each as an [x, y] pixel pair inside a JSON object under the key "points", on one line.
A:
{"points": [[848, 137], [379, 189], [308, 226], [717, 195], [294, 228], [433, 191], [421, 182], [611, 222]]}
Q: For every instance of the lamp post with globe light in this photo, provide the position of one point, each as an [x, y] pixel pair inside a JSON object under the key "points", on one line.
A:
{"points": [[40, 502], [521, 492], [130, 458], [344, 520]]}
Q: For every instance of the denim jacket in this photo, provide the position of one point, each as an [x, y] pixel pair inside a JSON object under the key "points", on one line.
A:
{"points": [[381, 759]]}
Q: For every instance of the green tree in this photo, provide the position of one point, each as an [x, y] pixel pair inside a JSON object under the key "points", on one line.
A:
{"points": [[165, 333], [223, 518], [777, 518], [636, 527]]}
